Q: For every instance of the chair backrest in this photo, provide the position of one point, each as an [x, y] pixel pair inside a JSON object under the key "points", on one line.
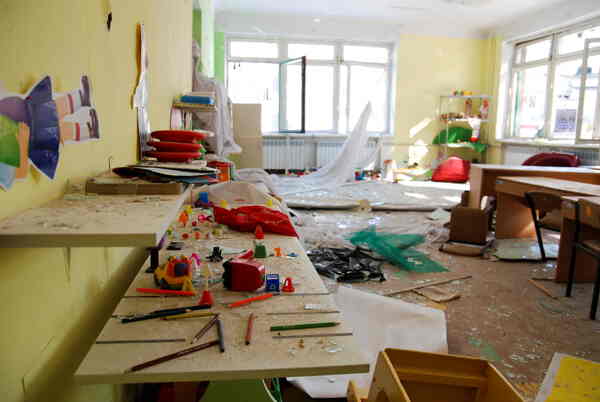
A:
{"points": [[545, 202], [589, 213]]}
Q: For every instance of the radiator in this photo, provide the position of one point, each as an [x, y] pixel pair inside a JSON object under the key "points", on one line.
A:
{"points": [[516, 154], [329, 150], [276, 155]]}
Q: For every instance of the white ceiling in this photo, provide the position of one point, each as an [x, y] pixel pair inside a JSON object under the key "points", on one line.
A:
{"points": [[379, 19]]}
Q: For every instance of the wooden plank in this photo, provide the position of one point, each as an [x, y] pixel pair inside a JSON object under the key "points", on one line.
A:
{"points": [[264, 357], [102, 221], [436, 294], [449, 278]]}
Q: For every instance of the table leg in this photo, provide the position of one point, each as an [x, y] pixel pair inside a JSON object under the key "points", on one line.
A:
{"points": [[513, 218], [237, 391]]}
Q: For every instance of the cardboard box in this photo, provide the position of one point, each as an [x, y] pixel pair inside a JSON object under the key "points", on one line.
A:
{"points": [[471, 225], [411, 376]]}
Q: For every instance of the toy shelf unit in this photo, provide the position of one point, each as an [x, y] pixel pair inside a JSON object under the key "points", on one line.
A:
{"points": [[474, 110]]}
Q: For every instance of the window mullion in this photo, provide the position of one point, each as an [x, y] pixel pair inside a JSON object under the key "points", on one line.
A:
{"points": [[337, 87], [550, 86]]}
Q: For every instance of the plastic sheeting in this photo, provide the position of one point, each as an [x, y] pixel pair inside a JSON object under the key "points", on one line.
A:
{"points": [[222, 143], [341, 169], [397, 249], [398, 325]]}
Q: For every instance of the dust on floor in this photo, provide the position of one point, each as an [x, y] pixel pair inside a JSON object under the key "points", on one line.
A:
{"points": [[500, 316]]}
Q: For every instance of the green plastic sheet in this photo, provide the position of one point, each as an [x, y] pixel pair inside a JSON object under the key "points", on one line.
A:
{"points": [[397, 249]]}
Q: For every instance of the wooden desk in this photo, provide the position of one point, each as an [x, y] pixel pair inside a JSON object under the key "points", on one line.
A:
{"points": [[513, 217], [586, 265], [482, 178], [265, 357]]}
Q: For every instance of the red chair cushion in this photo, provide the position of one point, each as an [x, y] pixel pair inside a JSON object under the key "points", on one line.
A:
{"points": [[452, 170]]}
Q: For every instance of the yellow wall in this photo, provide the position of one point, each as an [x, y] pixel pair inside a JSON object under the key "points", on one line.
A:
{"points": [[54, 303], [428, 67]]}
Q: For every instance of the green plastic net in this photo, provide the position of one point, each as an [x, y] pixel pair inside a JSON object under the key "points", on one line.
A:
{"points": [[397, 249]]}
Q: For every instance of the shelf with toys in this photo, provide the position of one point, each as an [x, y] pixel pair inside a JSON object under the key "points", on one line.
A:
{"points": [[475, 113]]}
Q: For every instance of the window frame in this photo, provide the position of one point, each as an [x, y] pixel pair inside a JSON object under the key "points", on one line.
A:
{"points": [[336, 63], [551, 62]]}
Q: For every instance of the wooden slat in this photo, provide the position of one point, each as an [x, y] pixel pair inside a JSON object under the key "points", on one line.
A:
{"points": [[102, 221]]}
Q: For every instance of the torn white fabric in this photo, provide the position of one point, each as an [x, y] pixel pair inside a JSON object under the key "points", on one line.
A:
{"points": [[379, 322], [338, 171]]}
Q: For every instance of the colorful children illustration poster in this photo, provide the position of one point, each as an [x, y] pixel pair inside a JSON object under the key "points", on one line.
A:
{"points": [[33, 126]]}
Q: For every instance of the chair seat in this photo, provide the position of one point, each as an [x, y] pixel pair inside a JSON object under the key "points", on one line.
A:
{"points": [[592, 244], [553, 220]]}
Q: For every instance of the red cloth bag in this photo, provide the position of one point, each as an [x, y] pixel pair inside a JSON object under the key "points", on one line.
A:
{"points": [[452, 170]]}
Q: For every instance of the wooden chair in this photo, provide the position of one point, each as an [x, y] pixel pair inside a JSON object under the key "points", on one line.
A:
{"points": [[545, 211], [586, 213]]}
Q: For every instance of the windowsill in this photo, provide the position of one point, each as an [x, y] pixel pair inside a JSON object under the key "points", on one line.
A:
{"points": [[547, 143], [309, 135]]}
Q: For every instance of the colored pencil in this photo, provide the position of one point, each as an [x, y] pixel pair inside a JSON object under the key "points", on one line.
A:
{"points": [[184, 309], [250, 300], [205, 328], [172, 356], [166, 292], [221, 337], [249, 328], [304, 326], [312, 335], [192, 314], [162, 313], [140, 341]]}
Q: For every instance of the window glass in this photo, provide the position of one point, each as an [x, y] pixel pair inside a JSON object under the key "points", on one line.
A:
{"points": [[319, 95], [529, 101], [367, 54], [254, 49], [293, 97], [311, 51], [256, 83], [537, 51], [567, 86], [575, 42], [368, 84]]}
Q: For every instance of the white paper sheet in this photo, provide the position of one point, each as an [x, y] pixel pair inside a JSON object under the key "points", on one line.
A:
{"points": [[379, 322]]}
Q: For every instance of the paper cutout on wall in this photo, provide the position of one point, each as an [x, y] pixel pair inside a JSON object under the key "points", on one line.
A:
{"points": [[32, 126], [44, 137], [9, 145], [140, 97], [7, 176]]}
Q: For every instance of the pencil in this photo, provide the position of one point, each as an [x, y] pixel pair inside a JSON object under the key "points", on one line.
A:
{"points": [[205, 328], [191, 314], [249, 329], [250, 300], [304, 326], [172, 356], [220, 333], [166, 292], [163, 313]]}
